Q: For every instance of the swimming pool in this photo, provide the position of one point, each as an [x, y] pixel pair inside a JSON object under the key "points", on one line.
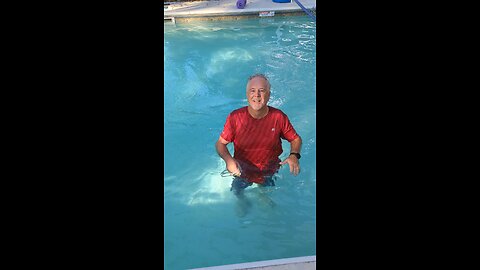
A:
{"points": [[206, 65]]}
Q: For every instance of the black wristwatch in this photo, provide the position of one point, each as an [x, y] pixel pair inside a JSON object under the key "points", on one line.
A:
{"points": [[296, 154]]}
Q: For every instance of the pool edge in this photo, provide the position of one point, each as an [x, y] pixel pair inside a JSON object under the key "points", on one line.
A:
{"points": [[220, 10], [301, 263]]}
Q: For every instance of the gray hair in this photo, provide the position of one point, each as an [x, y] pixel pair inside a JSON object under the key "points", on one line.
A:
{"points": [[261, 76]]}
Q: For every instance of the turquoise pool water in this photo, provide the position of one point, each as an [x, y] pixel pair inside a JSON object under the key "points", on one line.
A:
{"points": [[206, 67]]}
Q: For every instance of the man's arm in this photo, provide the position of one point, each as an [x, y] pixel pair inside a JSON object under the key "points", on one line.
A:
{"points": [[222, 150], [292, 160], [295, 145]]}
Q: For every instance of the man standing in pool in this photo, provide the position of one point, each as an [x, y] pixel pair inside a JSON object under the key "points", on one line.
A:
{"points": [[256, 132]]}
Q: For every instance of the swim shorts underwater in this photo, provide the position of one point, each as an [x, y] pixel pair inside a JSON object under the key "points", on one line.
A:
{"points": [[239, 184]]}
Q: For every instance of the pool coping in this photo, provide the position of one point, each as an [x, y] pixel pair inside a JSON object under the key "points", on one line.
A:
{"points": [[225, 8], [301, 263]]}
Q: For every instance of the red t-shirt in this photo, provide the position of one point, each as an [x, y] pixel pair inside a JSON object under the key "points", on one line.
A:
{"points": [[256, 142]]}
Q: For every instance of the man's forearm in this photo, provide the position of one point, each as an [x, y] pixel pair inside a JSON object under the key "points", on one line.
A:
{"points": [[296, 145], [223, 152]]}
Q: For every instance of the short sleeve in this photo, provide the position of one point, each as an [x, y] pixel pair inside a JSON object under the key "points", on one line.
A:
{"points": [[288, 132], [228, 132]]}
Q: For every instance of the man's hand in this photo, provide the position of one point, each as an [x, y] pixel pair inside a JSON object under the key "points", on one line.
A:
{"points": [[232, 165], [234, 168], [293, 163]]}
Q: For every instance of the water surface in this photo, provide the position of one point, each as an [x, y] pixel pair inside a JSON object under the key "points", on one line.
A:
{"points": [[206, 66]]}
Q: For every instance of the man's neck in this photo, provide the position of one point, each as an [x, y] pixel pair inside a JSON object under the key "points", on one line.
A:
{"points": [[258, 114]]}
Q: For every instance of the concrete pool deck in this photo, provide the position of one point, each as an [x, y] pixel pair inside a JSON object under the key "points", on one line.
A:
{"points": [[298, 263], [220, 9]]}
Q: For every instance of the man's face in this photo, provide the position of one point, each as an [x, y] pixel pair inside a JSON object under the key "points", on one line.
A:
{"points": [[258, 93]]}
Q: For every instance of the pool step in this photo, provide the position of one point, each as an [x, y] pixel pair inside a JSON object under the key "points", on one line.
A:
{"points": [[298, 263]]}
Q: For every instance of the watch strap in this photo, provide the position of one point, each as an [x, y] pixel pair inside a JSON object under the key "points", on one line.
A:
{"points": [[296, 154]]}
